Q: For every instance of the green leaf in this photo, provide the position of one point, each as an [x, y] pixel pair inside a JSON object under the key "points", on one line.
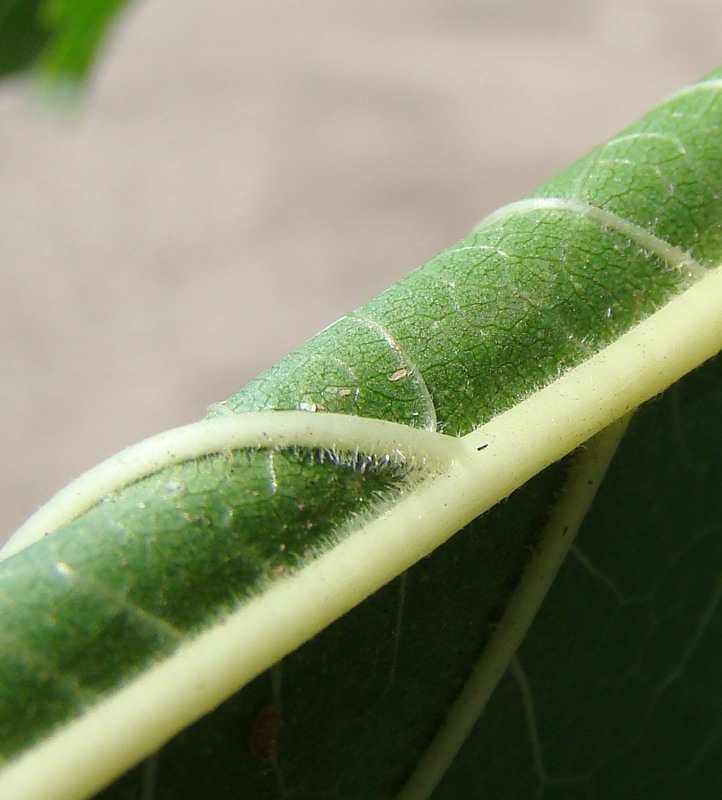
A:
{"points": [[22, 37], [61, 37], [269, 564]]}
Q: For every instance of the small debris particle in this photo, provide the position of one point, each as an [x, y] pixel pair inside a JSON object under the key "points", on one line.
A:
{"points": [[398, 375], [344, 393], [482, 447]]}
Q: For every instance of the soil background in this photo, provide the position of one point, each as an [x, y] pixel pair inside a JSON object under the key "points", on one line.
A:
{"points": [[236, 176]]}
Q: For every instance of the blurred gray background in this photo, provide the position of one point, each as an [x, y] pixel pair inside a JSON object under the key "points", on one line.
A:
{"points": [[240, 174]]}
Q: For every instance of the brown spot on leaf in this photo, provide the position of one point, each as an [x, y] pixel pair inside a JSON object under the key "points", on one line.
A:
{"points": [[265, 733]]}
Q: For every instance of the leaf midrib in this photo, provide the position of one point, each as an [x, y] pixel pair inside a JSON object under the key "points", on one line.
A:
{"points": [[515, 445]]}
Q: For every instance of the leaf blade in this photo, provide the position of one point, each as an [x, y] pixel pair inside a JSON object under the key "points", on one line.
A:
{"points": [[399, 367]]}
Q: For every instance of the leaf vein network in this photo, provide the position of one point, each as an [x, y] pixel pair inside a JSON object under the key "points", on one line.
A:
{"points": [[409, 363], [673, 255]]}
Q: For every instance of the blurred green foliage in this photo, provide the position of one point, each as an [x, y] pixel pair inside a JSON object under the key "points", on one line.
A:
{"points": [[57, 38]]}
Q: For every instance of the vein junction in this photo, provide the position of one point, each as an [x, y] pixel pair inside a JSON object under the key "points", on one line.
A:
{"points": [[587, 470]]}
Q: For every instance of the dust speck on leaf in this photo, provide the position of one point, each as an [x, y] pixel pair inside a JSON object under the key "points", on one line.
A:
{"points": [[398, 375]]}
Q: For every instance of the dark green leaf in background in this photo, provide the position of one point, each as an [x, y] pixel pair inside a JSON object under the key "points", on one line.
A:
{"points": [[61, 37], [21, 34], [618, 688]]}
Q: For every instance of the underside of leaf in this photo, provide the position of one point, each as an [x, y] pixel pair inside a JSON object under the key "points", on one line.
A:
{"points": [[128, 613]]}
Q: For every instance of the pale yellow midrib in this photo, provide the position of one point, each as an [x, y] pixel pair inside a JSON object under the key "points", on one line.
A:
{"points": [[552, 422]]}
